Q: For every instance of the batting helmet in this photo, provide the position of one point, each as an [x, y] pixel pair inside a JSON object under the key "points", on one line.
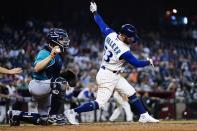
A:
{"points": [[56, 35], [130, 32]]}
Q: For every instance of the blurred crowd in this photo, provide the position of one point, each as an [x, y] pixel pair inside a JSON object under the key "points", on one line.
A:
{"points": [[175, 59]]}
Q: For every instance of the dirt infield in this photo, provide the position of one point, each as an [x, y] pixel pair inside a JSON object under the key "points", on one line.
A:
{"points": [[164, 126]]}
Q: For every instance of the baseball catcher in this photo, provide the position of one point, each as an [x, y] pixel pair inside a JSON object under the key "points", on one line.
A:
{"points": [[48, 84]]}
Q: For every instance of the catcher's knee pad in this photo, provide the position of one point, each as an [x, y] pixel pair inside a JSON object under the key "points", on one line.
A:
{"points": [[57, 85]]}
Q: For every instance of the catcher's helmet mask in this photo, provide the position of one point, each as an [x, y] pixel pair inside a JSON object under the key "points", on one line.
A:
{"points": [[58, 37]]}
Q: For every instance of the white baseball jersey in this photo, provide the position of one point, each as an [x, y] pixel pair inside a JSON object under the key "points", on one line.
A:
{"points": [[114, 48]]}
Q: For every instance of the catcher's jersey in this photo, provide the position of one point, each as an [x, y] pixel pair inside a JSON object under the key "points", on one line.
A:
{"points": [[114, 48], [53, 68]]}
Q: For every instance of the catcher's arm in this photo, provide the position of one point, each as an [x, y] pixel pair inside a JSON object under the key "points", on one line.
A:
{"points": [[44, 62]]}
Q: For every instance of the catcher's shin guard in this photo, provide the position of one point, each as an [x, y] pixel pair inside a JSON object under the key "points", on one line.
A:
{"points": [[57, 99]]}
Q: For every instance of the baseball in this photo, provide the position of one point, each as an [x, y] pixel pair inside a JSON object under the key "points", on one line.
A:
{"points": [[57, 50]]}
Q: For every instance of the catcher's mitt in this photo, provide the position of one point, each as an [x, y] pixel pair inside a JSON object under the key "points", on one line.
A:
{"points": [[70, 77]]}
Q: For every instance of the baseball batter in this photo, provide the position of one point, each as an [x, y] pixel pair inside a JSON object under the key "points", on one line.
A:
{"points": [[117, 52]]}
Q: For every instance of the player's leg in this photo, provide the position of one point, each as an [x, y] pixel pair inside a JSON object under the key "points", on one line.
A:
{"points": [[56, 113], [125, 88], [57, 103], [57, 99], [103, 96], [115, 114], [40, 90], [40, 118], [16, 116], [105, 90], [122, 100], [118, 110], [128, 112]]}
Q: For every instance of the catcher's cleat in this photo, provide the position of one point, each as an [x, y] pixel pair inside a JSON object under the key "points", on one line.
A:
{"points": [[57, 120]]}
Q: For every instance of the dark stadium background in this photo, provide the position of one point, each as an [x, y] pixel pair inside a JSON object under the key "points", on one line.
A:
{"points": [[142, 13], [156, 29]]}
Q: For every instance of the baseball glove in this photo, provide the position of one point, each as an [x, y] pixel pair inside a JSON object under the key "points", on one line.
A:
{"points": [[70, 77]]}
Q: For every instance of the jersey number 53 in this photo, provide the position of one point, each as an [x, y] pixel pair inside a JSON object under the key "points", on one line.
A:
{"points": [[107, 55]]}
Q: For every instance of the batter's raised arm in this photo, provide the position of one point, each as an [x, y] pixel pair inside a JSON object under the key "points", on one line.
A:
{"points": [[102, 25]]}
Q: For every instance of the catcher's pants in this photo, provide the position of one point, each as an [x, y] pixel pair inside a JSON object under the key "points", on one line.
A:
{"points": [[108, 82], [40, 90]]}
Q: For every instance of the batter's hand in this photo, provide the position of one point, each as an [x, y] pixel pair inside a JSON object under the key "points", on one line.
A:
{"points": [[151, 62], [15, 71], [93, 7], [55, 51]]}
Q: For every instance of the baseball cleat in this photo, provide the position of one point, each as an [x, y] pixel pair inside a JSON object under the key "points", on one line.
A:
{"points": [[146, 118], [57, 120], [70, 115], [14, 117]]}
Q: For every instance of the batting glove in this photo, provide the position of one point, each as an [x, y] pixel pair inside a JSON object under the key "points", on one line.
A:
{"points": [[150, 61], [93, 7]]}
